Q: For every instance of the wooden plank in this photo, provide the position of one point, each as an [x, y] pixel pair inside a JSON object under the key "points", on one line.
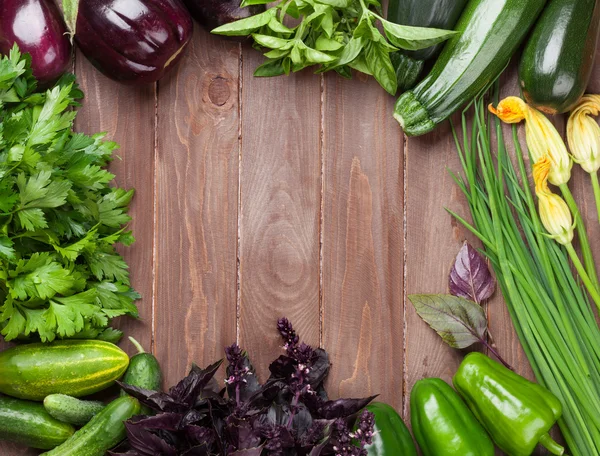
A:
{"points": [[363, 237], [197, 203], [280, 207], [127, 115]]}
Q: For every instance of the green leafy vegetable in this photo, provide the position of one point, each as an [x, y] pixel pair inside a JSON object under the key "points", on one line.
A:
{"points": [[335, 34], [60, 275]]}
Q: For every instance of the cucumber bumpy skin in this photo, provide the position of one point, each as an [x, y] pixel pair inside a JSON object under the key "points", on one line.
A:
{"points": [[28, 423], [103, 432], [491, 30], [71, 410]]}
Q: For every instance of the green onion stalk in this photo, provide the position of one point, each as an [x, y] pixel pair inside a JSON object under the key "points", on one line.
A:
{"points": [[549, 308]]}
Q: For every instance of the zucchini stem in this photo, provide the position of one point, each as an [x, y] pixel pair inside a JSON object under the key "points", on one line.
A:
{"points": [[137, 345]]}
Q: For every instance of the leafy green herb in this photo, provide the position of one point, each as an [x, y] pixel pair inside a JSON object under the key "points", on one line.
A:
{"points": [[334, 34], [60, 275]]}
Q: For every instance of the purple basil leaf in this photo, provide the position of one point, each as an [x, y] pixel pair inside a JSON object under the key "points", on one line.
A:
{"points": [[192, 417], [319, 368], [459, 321], [188, 389], [241, 434], [199, 435], [147, 443], [282, 368], [342, 408], [199, 450], [302, 420], [470, 277], [158, 401], [248, 452], [164, 421]]}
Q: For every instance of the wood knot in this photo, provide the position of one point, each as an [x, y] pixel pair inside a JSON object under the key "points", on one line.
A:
{"points": [[218, 90]]}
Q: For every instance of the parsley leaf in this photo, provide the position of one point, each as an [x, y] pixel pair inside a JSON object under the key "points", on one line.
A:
{"points": [[60, 275]]}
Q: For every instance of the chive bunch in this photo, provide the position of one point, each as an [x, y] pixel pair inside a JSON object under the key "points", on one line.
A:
{"points": [[550, 310]]}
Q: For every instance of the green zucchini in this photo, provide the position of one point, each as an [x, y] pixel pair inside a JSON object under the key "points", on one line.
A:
{"points": [[73, 367], [102, 433], [557, 62], [491, 31], [143, 370], [69, 409], [441, 14], [28, 423]]}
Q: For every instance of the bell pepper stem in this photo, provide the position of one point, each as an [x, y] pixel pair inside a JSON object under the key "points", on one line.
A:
{"points": [[553, 447]]}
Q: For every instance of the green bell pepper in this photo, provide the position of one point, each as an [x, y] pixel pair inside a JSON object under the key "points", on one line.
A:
{"points": [[391, 436], [517, 413], [442, 423]]}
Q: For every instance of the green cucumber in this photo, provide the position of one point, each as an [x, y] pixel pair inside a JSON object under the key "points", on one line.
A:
{"points": [[73, 367], [491, 31], [102, 433], [69, 409], [28, 423], [557, 62], [143, 371], [441, 14]]}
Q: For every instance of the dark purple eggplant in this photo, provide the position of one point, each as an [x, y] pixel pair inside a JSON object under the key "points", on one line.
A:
{"points": [[38, 28], [133, 41], [212, 13]]}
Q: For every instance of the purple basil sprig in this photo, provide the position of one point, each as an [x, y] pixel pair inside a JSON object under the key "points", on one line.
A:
{"points": [[289, 415]]}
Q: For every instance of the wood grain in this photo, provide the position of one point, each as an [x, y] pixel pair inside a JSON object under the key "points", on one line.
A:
{"points": [[433, 240], [363, 237], [127, 115], [280, 209], [197, 204]]}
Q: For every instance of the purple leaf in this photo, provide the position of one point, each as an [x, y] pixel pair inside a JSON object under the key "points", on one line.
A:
{"points": [[147, 443], [470, 277], [188, 389], [249, 452], [343, 407]]}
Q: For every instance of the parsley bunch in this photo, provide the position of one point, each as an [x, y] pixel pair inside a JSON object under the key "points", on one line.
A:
{"points": [[338, 35], [60, 275]]}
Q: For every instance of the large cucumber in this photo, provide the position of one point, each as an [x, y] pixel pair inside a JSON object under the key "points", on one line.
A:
{"points": [[557, 61], [491, 31], [441, 14], [69, 409], [73, 367], [28, 423], [102, 433]]}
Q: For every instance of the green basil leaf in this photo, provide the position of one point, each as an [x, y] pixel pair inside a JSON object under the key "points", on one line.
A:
{"points": [[296, 55], [271, 41], [344, 71], [327, 23], [364, 29], [246, 26], [360, 64], [286, 64], [253, 2], [327, 44], [350, 51], [276, 53], [379, 62], [314, 56], [270, 68], [459, 322], [414, 38], [335, 3], [278, 27]]}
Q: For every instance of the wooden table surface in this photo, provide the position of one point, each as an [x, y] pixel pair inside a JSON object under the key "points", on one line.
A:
{"points": [[297, 197]]}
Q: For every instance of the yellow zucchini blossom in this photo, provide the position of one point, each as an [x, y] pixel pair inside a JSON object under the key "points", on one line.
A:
{"points": [[583, 133], [542, 138], [554, 212]]}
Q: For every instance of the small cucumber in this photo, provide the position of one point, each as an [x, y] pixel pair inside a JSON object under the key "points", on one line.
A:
{"points": [[73, 367], [69, 409], [143, 371], [28, 423], [102, 433]]}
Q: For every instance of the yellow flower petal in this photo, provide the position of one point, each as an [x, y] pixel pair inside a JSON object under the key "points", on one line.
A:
{"points": [[543, 140], [583, 133]]}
